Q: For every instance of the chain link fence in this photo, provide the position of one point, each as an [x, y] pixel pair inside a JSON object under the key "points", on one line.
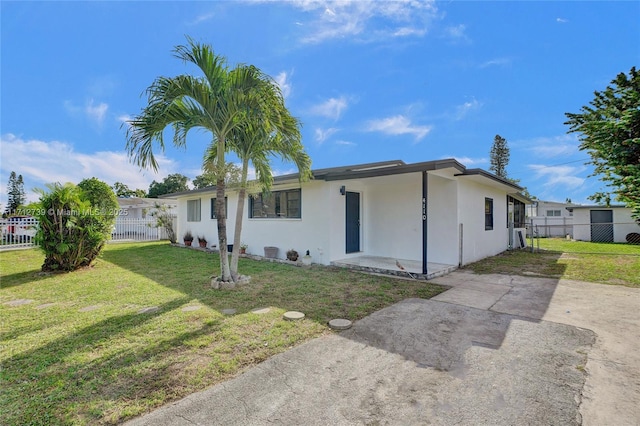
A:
{"points": [[603, 232]]}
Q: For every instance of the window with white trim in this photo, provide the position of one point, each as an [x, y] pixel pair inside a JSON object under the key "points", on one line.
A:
{"points": [[276, 205], [193, 210]]}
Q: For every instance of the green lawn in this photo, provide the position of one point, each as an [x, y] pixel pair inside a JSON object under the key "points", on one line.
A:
{"points": [[617, 264], [82, 353]]}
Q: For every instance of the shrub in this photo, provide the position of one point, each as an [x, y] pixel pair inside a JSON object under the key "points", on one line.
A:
{"points": [[292, 255], [164, 219], [104, 203], [75, 223]]}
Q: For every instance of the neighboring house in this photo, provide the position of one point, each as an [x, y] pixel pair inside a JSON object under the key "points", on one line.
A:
{"points": [[135, 221], [603, 224], [550, 218], [425, 215], [140, 208]]}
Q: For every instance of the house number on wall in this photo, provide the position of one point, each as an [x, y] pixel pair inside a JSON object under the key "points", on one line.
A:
{"points": [[424, 208]]}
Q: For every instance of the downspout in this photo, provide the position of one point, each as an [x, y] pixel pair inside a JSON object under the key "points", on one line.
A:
{"points": [[461, 246], [424, 222]]}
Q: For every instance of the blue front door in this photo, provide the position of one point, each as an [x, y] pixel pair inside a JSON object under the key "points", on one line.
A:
{"points": [[353, 222]]}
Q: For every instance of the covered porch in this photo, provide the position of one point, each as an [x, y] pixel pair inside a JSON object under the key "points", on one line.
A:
{"points": [[393, 266]]}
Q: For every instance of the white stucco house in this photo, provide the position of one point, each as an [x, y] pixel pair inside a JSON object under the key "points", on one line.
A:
{"points": [[140, 208], [603, 224], [550, 218], [429, 216], [135, 221]]}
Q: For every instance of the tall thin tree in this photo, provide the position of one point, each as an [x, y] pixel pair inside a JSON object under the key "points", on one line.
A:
{"points": [[15, 195], [499, 156]]}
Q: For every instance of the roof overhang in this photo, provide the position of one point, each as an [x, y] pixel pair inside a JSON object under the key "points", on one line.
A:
{"points": [[389, 168], [518, 196], [385, 168], [480, 175], [592, 207]]}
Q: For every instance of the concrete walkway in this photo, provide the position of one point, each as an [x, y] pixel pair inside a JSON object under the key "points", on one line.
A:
{"points": [[492, 350], [611, 395]]}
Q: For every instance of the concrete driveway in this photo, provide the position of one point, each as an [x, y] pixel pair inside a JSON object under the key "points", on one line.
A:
{"points": [[492, 350]]}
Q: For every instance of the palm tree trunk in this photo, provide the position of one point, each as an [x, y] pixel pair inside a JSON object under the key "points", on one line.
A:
{"points": [[237, 232], [221, 219]]}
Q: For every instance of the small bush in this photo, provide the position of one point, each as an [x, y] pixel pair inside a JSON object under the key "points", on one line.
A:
{"points": [[292, 255], [75, 223]]}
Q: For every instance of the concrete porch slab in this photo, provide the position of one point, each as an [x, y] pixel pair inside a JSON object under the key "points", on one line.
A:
{"points": [[389, 266]]}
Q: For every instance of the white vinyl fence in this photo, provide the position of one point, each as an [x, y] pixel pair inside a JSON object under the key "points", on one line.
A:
{"points": [[130, 229], [548, 226], [19, 232]]}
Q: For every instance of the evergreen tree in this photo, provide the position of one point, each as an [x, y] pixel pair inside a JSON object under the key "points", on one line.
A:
{"points": [[15, 194], [609, 130], [499, 156]]}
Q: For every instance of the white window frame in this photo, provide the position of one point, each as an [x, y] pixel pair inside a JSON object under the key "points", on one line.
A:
{"points": [[194, 210]]}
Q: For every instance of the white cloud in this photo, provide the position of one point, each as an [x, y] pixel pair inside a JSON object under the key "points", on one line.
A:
{"points": [[345, 143], [323, 134], [547, 147], [409, 31], [565, 176], [456, 33], [124, 119], [282, 172], [331, 108], [562, 20], [467, 107], [42, 162], [96, 112], [93, 112], [398, 125], [496, 62], [467, 161], [366, 20], [284, 81], [201, 18]]}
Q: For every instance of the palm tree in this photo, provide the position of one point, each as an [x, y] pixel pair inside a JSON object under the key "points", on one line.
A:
{"points": [[267, 132], [217, 102]]}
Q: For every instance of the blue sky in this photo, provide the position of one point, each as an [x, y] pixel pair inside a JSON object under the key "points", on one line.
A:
{"points": [[370, 81]]}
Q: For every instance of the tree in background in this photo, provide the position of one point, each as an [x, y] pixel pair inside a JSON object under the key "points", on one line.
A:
{"points": [[499, 156], [123, 191], [609, 130], [75, 223], [15, 193], [175, 182], [232, 174], [103, 201], [217, 101]]}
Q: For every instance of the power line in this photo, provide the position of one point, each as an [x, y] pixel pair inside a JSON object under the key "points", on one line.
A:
{"points": [[559, 164], [568, 162]]}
